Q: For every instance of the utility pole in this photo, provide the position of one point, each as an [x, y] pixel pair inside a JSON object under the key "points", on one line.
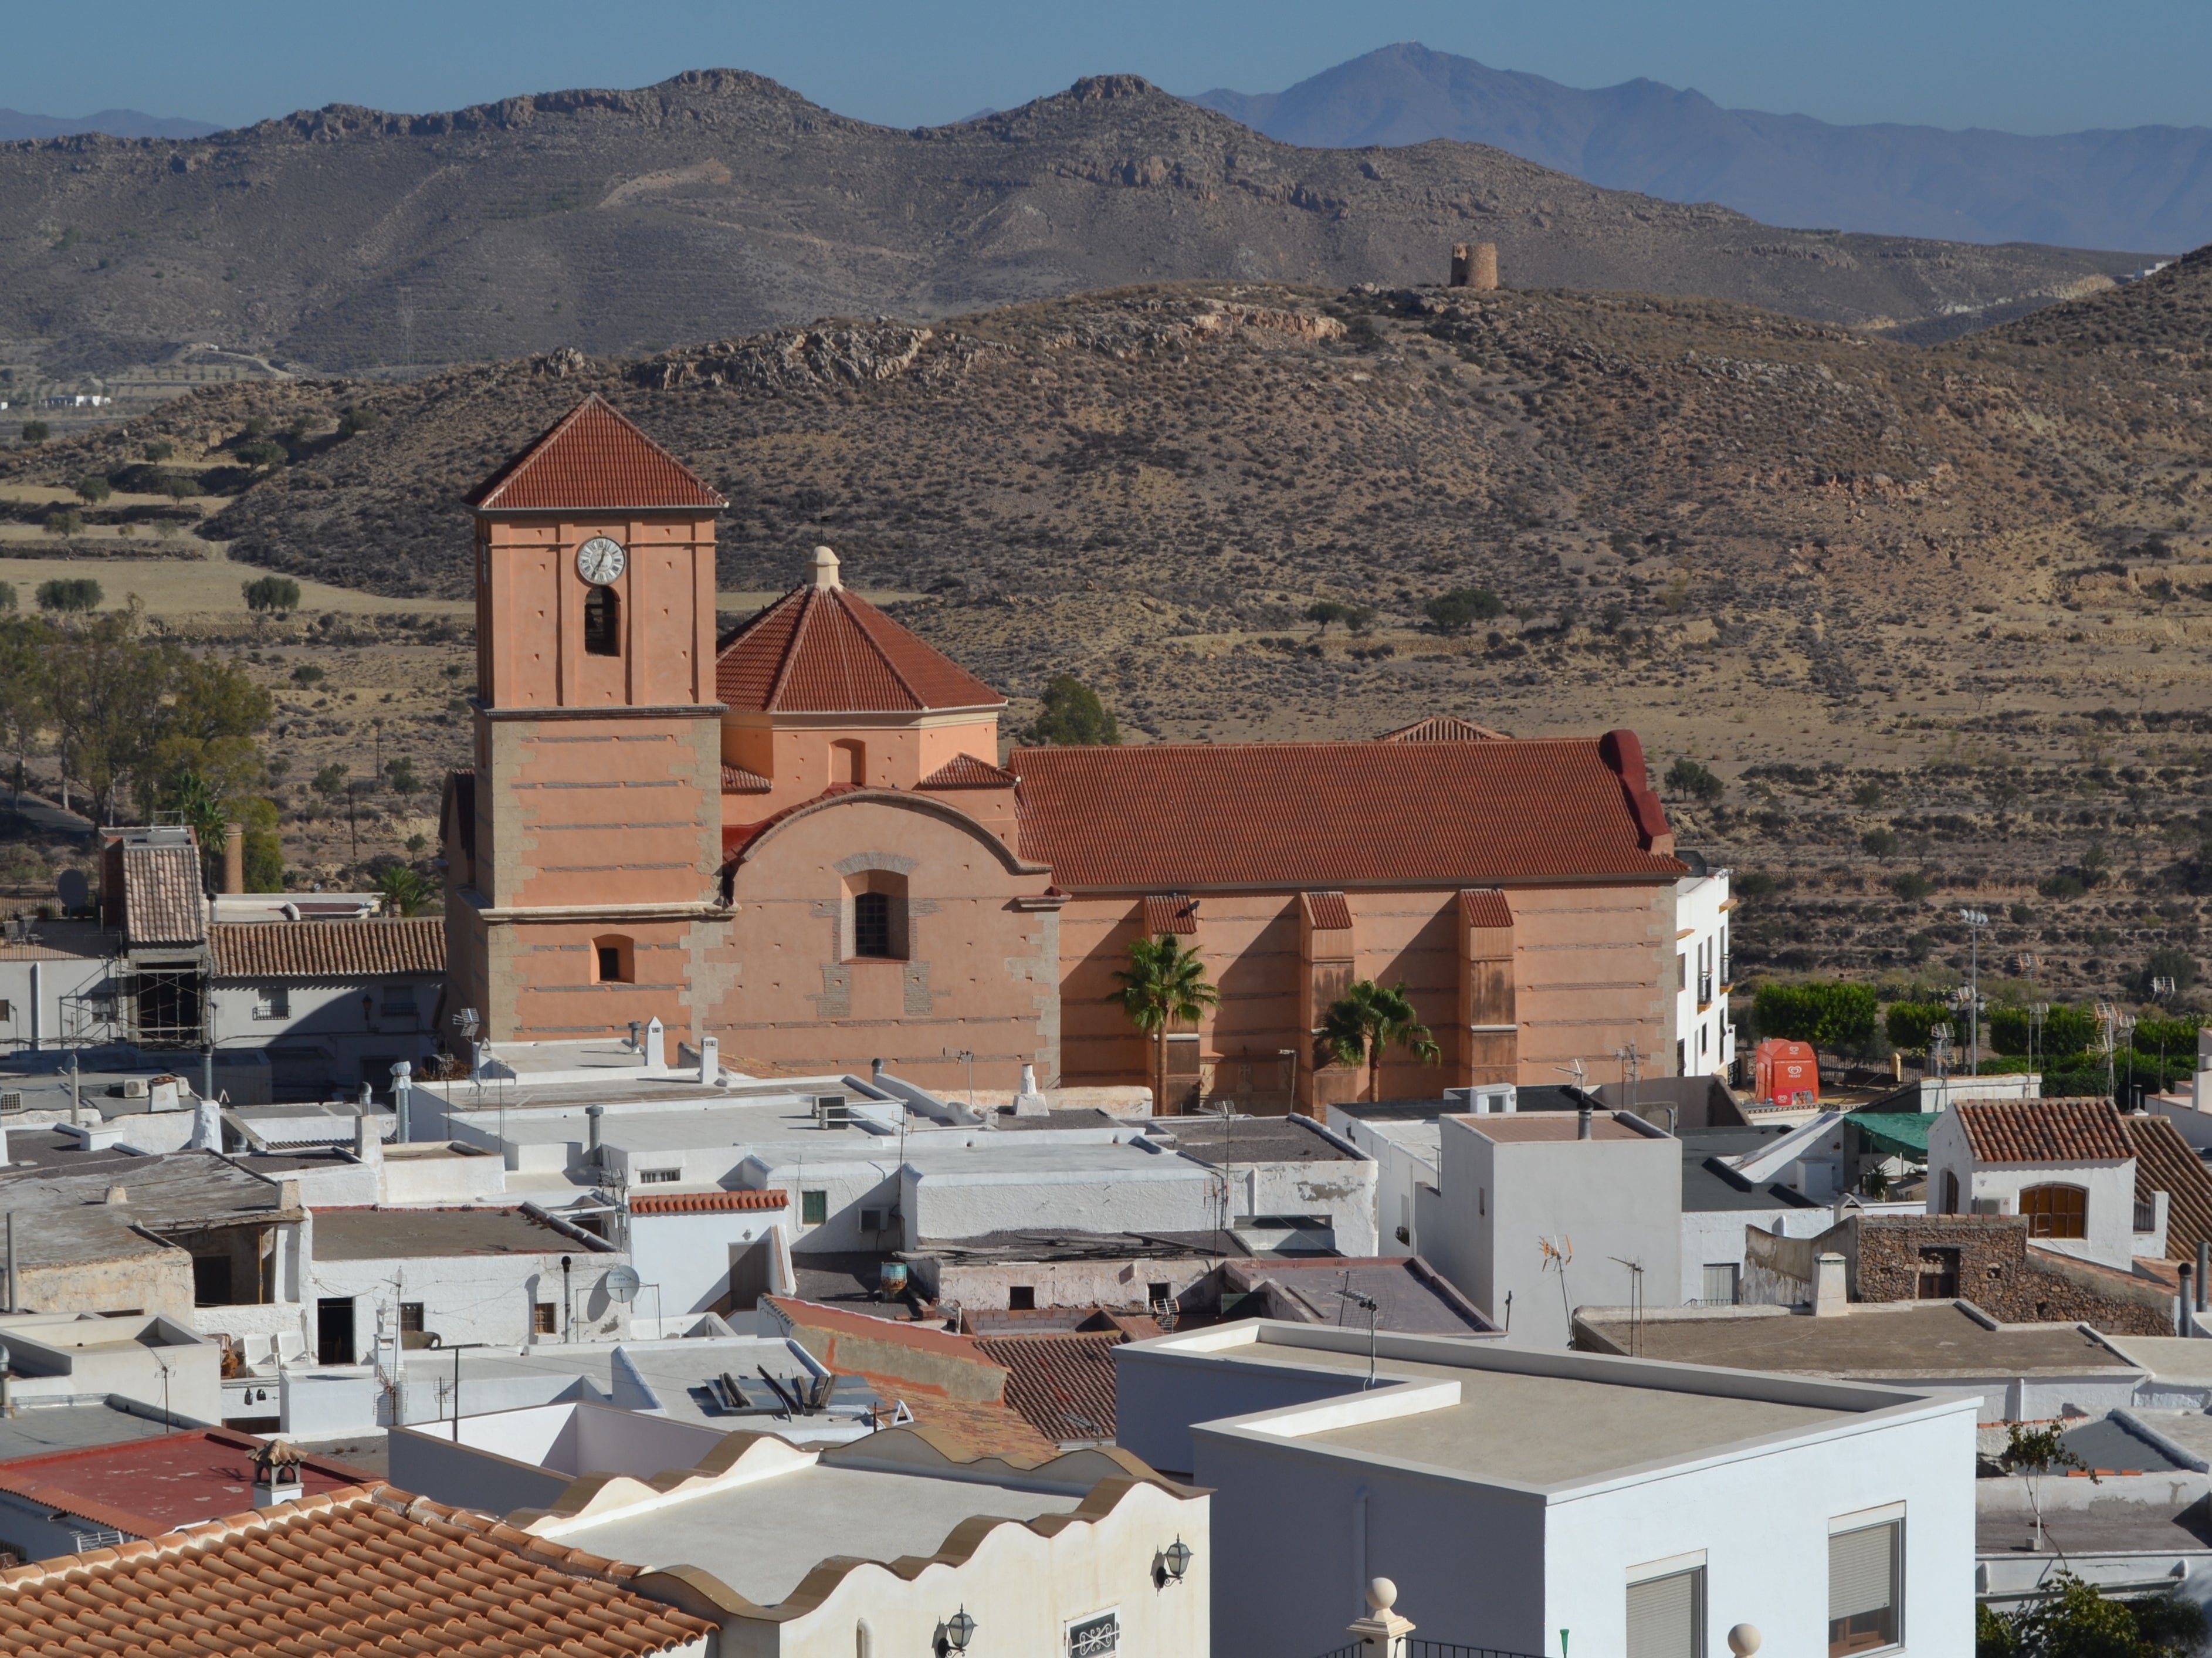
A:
{"points": [[1975, 920]]}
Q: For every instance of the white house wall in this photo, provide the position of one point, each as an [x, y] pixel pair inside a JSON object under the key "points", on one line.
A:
{"points": [[470, 1298], [1714, 1237], [689, 1255]]}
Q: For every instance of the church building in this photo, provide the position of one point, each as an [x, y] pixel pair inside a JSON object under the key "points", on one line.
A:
{"points": [[806, 840]]}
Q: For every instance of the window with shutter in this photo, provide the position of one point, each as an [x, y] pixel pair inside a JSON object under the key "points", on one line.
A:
{"points": [[1863, 1590], [1667, 1615], [1720, 1283]]}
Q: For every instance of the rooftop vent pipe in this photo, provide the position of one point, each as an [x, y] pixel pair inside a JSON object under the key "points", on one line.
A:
{"points": [[591, 1115], [1583, 1122]]}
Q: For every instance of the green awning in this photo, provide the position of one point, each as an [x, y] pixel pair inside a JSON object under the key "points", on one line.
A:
{"points": [[1904, 1132]]}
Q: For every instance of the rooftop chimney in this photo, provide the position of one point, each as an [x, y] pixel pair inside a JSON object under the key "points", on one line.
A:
{"points": [[825, 568], [592, 1147], [1582, 1121], [233, 857]]}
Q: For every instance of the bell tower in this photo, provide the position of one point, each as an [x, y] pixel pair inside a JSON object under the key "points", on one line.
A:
{"points": [[595, 806]]}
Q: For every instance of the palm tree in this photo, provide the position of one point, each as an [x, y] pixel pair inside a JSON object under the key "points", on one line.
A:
{"points": [[1367, 1019], [1164, 984], [405, 891]]}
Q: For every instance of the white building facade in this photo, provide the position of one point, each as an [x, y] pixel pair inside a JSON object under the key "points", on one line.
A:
{"points": [[1704, 1041]]}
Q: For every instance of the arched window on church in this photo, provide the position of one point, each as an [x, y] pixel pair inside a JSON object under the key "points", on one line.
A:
{"points": [[602, 623], [614, 959]]}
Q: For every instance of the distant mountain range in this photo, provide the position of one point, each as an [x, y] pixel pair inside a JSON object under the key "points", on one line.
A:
{"points": [[2147, 188], [15, 124]]}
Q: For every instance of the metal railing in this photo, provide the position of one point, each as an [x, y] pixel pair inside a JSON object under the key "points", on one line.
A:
{"points": [[1704, 991]]}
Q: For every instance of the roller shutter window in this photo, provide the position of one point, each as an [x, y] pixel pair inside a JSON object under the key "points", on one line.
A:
{"points": [[1667, 1615], [1863, 1590]]}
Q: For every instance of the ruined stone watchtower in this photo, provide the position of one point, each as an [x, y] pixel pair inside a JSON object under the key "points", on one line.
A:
{"points": [[1475, 266]]}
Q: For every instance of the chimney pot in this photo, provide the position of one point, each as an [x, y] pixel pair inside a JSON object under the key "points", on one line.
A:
{"points": [[1583, 1129], [117, 1194], [826, 570]]}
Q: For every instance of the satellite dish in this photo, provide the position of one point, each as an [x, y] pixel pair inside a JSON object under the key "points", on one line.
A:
{"points": [[623, 1283]]}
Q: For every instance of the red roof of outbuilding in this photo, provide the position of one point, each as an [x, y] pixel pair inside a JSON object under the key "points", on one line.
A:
{"points": [[2045, 1132], [966, 771], [827, 650], [1340, 814], [144, 1487], [1062, 1385], [593, 459]]}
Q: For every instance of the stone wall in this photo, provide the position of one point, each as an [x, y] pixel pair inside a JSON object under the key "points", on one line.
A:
{"points": [[1996, 1271]]}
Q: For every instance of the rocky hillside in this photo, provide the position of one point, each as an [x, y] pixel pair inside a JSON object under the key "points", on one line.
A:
{"points": [[1938, 622], [719, 203]]}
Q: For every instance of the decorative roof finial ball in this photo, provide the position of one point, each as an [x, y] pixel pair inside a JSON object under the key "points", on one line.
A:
{"points": [[1744, 1640], [1381, 1593]]}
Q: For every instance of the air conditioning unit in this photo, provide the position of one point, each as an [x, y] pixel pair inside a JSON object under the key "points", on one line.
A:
{"points": [[134, 1088], [832, 1111], [11, 1100]]}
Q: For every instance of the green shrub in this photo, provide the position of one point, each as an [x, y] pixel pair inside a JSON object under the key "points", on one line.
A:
{"points": [[63, 520], [276, 593], [36, 432], [158, 448], [306, 675], [1070, 715], [1687, 776], [1907, 1023], [1462, 607], [1911, 885], [1826, 1013], [93, 489], [71, 594], [2066, 1030], [1880, 842]]}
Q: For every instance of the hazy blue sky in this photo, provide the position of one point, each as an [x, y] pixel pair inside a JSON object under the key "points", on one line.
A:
{"points": [[2022, 65]]}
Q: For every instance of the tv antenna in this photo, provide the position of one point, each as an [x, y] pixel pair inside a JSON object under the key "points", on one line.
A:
{"points": [[1635, 1302], [1558, 1253], [1373, 1309]]}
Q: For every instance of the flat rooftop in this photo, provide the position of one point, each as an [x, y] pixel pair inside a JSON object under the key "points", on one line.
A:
{"points": [[1930, 1339], [1256, 1140], [678, 1371], [1524, 1128], [763, 1538], [376, 1234], [1515, 1416], [1706, 1187], [40, 1430], [67, 1217]]}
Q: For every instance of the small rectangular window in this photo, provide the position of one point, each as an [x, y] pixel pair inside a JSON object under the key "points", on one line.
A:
{"points": [[272, 1002], [410, 1315], [545, 1319], [1720, 1283], [1863, 1590], [1021, 1298], [871, 1220], [1095, 1638], [813, 1207], [1667, 1615], [871, 924], [1156, 1293], [7, 1012], [611, 971], [659, 1176]]}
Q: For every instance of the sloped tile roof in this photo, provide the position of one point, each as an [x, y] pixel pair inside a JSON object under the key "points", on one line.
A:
{"points": [[1337, 815], [827, 650], [1062, 1385], [966, 771], [328, 949], [705, 1203], [1331, 912], [2045, 1132], [358, 1573], [736, 780], [1485, 907], [2164, 1162], [1169, 912], [593, 459], [1443, 728], [163, 903]]}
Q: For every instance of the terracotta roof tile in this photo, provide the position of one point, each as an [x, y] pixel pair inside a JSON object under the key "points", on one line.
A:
{"points": [[1443, 728], [328, 949], [705, 1203], [1062, 1385], [360, 1571], [1331, 912], [736, 780], [593, 459], [2045, 1132], [162, 901], [1169, 912], [966, 771], [1340, 814], [1484, 906], [827, 650], [2164, 1162]]}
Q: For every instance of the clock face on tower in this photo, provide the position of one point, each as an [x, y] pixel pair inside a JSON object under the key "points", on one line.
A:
{"points": [[600, 560]]}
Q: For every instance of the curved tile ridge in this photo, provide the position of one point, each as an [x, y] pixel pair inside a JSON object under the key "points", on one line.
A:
{"points": [[705, 1595]]}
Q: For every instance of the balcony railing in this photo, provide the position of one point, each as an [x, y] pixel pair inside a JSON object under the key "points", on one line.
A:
{"points": [[1704, 989]]}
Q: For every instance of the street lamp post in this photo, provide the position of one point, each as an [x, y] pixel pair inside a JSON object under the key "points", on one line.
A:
{"points": [[1975, 920]]}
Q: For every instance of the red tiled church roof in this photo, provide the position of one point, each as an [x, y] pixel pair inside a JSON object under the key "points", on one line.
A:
{"points": [[2045, 1132], [1443, 728], [593, 459], [966, 771], [825, 650], [1341, 814]]}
